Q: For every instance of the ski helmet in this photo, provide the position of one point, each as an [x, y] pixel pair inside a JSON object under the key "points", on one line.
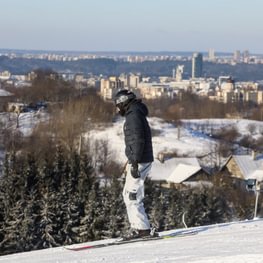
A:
{"points": [[123, 98]]}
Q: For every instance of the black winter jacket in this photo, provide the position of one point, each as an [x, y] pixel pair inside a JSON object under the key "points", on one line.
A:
{"points": [[137, 133]]}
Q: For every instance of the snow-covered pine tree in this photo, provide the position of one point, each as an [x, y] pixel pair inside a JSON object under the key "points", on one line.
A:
{"points": [[32, 196], [89, 224], [114, 208], [13, 205], [173, 211], [71, 204], [47, 237], [46, 229], [86, 178], [157, 208]]}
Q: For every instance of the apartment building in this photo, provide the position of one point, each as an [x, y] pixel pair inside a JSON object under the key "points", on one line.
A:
{"points": [[109, 87], [155, 90]]}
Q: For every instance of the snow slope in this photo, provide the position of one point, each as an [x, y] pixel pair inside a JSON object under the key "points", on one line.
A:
{"points": [[237, 242]]}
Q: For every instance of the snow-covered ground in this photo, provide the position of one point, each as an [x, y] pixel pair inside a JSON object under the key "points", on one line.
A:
{"points": [[190, 140], [165, 140], [239, 242], [27, 121], [227, 243]]}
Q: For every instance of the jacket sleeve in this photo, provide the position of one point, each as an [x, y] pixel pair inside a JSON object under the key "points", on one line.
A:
{"points": [[137, 136]]}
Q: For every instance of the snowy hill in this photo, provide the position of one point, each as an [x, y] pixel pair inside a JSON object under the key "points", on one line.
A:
{"points": [[191, 140], [238, 242]]}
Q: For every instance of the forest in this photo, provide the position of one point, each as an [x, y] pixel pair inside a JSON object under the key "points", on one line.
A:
{"points": [[51, 193]]}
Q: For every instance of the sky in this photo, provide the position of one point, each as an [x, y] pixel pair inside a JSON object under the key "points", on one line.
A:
{"points": [[132, 25]]}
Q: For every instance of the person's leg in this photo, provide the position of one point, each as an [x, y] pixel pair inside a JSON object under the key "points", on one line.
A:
{"points": [[133, 194]]}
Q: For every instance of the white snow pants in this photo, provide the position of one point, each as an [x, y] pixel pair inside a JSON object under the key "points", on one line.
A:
{"points": [[133, 194]]}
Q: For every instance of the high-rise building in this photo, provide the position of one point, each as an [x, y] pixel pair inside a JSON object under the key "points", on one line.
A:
{"points": [[237, 56], [197, 65], [211, 54], [246, 56]]}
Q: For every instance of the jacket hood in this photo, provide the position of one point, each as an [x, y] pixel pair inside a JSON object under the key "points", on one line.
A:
{"points": [[137, 105]]}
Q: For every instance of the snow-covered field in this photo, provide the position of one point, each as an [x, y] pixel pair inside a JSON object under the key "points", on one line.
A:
{"points": [[239, 242], [191, 140]]}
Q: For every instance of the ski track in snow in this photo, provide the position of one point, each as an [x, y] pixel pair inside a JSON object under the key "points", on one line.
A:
{"points": [[238, 242]]}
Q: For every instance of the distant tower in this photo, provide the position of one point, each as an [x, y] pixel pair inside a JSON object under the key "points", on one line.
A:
{"points": [[211, 54], [237, 56], [197, 65], [174, 72], [246, 56], [179, 72]]}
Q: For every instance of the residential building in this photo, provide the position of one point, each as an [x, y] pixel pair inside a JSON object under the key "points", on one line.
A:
{"points": [[246, 166], [5, 97], [133, 81], [175, 172], [155, 90], [5, 75], [109, 87]]}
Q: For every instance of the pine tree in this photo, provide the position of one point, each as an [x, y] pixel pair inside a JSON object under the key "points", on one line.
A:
{"points": [[32, 196], [173, 210], [47, 224], [47, 237], [13, 197], [89, 229], [157, 212], [114, 209], [86, 178], [12, 229]]}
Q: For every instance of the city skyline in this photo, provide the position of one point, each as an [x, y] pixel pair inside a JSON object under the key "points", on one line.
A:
{"points": [[117, 25]]}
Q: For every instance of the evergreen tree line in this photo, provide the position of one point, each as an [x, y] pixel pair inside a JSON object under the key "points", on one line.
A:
{"points": [[55, 203], [170, 208], [47, 203]]}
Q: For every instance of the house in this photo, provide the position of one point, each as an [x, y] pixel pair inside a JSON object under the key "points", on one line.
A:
{"points": [[5, 97], [15, 107], [245, 167], [174, 172]]}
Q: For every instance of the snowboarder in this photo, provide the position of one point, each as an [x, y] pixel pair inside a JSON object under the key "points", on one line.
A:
{"points": [[138, 150]]}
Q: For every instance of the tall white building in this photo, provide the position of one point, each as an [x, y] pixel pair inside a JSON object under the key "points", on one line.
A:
{"points": [[211, 54], [237, 56], [246, 56], [179, 73]]}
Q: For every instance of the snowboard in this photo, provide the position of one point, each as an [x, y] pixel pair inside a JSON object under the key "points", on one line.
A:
{"points": [[120, 241]]}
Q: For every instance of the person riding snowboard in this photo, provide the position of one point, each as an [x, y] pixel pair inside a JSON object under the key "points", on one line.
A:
{"points": [[139, 152]]}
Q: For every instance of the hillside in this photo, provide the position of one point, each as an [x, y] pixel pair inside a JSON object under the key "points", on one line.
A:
{"points": [[106, 66], [165, 136], [223, 243]]}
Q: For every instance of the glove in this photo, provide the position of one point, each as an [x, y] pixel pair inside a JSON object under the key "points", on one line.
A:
{"points": [[134, 170]]}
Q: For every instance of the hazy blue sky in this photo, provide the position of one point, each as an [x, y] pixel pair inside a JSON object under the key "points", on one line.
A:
{"points": [[132, 25]]}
